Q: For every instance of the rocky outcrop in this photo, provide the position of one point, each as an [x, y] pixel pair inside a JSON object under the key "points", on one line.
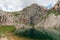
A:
{"points": [[31, 15], [51, 22], [56, 7], [6, 18], [36, 16]]}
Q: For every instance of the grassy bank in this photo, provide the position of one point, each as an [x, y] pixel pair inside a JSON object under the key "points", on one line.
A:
{"points": [[4, 29]]}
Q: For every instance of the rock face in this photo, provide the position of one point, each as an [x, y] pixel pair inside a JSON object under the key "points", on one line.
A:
{"points": [[51, 22], [37, 16], [6, 18], [31, 15], [57, 6]]}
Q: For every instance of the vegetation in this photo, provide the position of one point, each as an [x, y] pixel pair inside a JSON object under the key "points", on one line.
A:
{"points": [[54, 12], [32, 33], [5, 28], [15, 13], [9, 33], [41, 34]]}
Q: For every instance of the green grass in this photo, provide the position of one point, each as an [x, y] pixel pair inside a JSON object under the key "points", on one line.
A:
{"points": [[4, 29], [15, 13], [54, 12]]}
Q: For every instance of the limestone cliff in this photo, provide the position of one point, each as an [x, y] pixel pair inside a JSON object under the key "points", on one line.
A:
{"points": [[6, 18]]}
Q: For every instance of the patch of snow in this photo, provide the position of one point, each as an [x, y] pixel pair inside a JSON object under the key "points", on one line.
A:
{"points": [[18, 5]]}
